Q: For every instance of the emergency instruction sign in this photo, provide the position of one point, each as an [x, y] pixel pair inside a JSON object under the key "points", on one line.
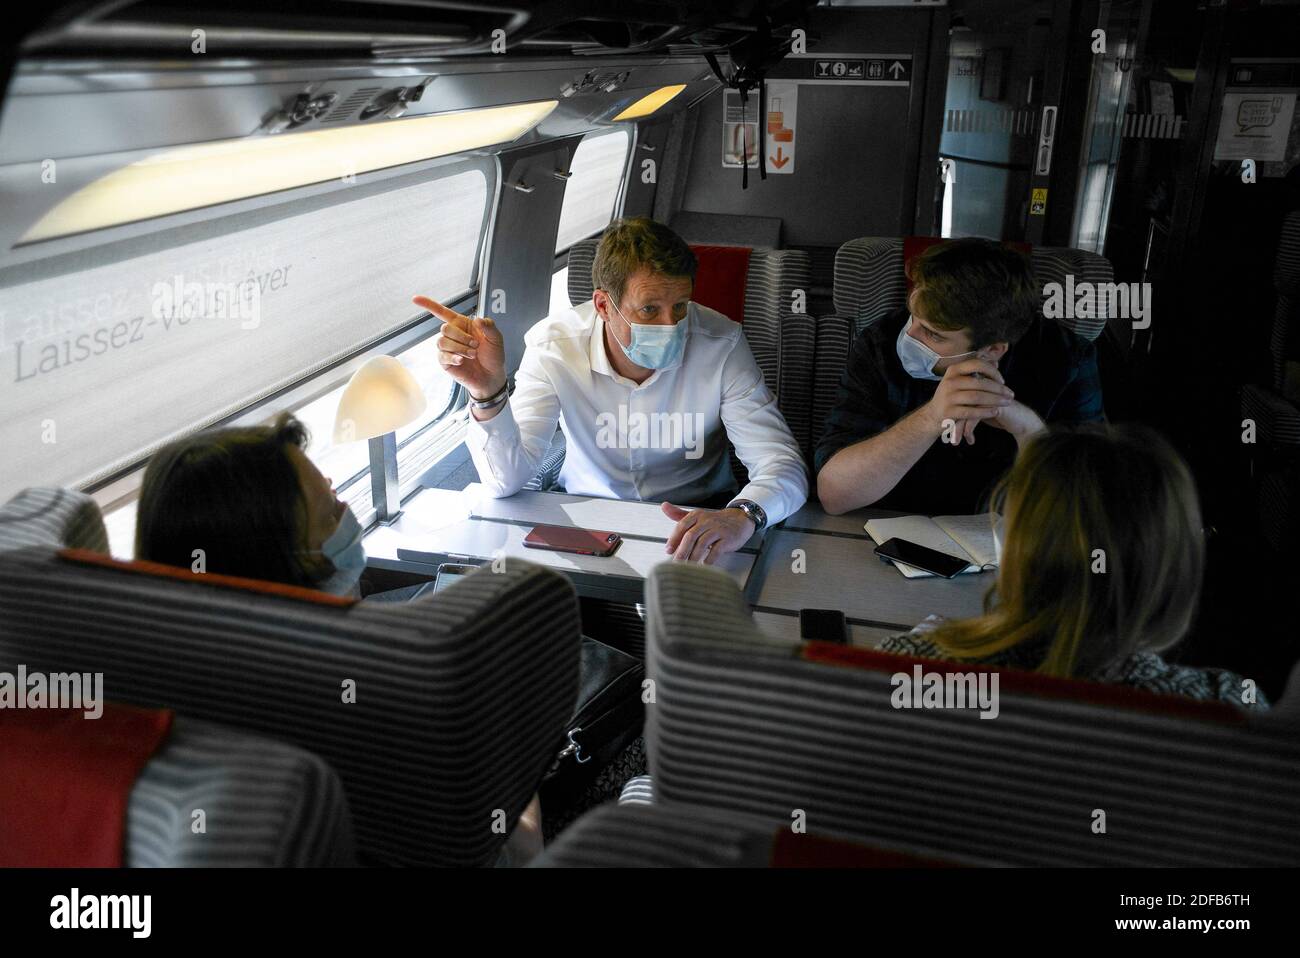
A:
{"points": [[743, 135]]}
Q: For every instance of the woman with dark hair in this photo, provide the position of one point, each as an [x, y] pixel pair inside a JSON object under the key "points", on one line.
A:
{"points": [[253, 505], [1101, 561], [250, 503]]}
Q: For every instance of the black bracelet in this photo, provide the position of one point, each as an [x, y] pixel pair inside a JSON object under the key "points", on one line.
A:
{"points": [[496, 399]]}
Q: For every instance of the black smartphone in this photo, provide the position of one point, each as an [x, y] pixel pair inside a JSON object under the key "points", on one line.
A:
{"points": [[823, 625], [931, 560], [450, 572]]}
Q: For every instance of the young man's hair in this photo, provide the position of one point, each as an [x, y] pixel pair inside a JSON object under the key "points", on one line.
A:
{"points": [[1103, 552], [632, 244], [235, 494], [978, 284]]}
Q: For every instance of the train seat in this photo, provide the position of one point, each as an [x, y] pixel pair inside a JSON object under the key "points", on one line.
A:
{"points": [[438, 719], [680, 836], [1067, 773], [185, 793]]}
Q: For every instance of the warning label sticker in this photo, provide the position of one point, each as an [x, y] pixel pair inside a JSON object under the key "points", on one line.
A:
{"points": [[740, 136]]}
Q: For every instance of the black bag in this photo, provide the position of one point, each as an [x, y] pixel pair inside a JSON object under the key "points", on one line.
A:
{"points": [[609, 718]]}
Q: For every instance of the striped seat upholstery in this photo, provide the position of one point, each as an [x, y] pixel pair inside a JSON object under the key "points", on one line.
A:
{"points": [[263, 804], [680, 836], [638, 791], [1277, 421], [797, 381], [548, 473], [52, 516], [1286, 282], [460, 696], [768, 728], [830, 356], [1273, 407], [869, 280], [650, 836]]}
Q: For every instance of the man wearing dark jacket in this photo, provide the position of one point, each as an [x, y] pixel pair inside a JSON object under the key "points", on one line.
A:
{"points": [[971, 347]]}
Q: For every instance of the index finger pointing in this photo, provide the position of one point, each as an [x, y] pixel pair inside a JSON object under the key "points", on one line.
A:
{"points": [[441, 311]]}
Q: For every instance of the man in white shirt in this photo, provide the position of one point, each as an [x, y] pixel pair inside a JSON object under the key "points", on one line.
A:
{"points": [[646, 385]]}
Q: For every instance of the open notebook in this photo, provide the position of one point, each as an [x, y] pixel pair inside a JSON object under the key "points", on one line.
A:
{"points": [[969, 537]]}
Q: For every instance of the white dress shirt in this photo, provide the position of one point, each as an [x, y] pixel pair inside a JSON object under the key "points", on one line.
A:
{"points": [[662, 440]]}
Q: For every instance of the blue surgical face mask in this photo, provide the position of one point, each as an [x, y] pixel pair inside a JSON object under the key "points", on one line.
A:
{"points": [[653, 346], [917, 358], [344, 550]]}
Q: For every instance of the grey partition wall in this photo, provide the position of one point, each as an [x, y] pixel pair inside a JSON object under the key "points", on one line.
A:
{"points": [[520, 253]]}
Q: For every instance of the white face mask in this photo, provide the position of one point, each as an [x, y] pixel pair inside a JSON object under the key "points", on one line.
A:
{"points": [[343, 548], [917, 358]]}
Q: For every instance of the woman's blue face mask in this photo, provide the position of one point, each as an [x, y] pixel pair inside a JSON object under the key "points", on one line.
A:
{"points": [[344, 550]]}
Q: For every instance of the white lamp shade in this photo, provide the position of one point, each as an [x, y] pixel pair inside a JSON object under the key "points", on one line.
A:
{"points": [[381, 397]]}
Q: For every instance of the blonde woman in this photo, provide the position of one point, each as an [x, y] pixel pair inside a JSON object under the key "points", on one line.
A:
{"points": [[1101, 568]]}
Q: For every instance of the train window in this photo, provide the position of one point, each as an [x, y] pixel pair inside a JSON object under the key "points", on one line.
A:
{"points": [[590, 199], [591, 196], [346, 462], [560, 290], [191, 332]]}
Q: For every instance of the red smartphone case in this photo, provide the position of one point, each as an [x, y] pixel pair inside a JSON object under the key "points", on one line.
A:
{"points": [[589, 542]]}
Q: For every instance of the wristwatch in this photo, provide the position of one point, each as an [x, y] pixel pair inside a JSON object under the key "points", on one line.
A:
{"points": [[751, 509]]}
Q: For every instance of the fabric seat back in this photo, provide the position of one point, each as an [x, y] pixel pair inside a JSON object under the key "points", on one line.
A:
{"points": [[1068, 773], [263, 804], [624, 836], [440, 715]]}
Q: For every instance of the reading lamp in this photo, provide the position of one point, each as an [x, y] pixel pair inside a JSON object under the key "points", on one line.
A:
{"points": [[381, 398]]}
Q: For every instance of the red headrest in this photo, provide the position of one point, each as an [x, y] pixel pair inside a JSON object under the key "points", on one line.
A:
{"points": [[793, 850], [159, 570], [720, 279], [66, 781]]}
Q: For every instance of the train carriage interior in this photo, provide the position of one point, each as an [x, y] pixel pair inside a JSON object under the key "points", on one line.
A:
{"points": [[755, 433]]}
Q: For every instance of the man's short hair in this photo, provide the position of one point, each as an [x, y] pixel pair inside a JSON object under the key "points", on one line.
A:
{"points": [[978, 284], [632, 244]]}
